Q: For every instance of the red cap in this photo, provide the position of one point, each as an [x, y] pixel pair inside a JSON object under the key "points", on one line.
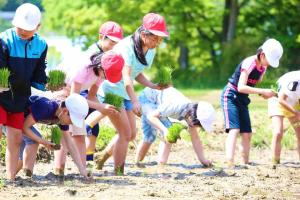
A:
{"points": [[112, 63], [156, 24], [112, 30]]}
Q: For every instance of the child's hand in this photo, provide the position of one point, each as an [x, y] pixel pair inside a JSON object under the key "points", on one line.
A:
{"points": [[162, 86], [137, 108], [207, 163], [3, 89], [268, 93], [47, 144], [107, 109]]}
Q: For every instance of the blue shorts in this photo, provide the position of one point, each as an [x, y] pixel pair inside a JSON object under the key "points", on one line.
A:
{"points": [[149, 131], [235, 110], [27, 141]]}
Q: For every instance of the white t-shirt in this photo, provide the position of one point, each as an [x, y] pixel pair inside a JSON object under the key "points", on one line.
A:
{"points": [[170, 101], [289, 84]]}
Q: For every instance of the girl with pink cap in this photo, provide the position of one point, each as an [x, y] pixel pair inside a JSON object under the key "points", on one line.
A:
{"points": [[138, 52]]}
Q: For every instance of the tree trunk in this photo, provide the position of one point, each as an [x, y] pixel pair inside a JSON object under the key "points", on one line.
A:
{"points": [[229, 20], [183, 57]]}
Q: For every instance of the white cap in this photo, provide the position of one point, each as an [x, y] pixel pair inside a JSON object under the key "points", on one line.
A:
{"points": [[27, 17], [78, 109], [206, 114], [273, 52]]}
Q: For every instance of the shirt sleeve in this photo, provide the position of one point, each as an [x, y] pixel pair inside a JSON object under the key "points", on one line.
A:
{"points": [[39, 74], [4, 54], [82, 75], [248, 64]]}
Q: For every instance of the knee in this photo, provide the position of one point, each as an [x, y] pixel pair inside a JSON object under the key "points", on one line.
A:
{"points": [[278, 136]]}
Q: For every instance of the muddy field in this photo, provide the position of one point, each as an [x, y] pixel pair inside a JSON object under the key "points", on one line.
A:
{"points": [[182, 178]]}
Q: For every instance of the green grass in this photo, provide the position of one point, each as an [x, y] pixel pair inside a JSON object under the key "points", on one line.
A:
{"points": [[4, 75], [106, 133], [56, 79], [114, 100], [3, 148], [163, 75], [56, 135], [174, 132]]}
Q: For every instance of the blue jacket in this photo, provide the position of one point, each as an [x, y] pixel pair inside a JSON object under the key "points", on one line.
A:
{"points": [[25, 60]]}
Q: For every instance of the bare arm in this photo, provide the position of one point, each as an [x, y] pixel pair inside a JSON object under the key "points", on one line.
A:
{"points": [[92, 94], [197, 145], [74, 153], [28, 123], [153, 117], [282, 98], [144, 81], [244, 88]]}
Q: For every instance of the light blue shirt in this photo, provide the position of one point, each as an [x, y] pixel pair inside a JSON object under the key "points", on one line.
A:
{"points": [[126, 48]]}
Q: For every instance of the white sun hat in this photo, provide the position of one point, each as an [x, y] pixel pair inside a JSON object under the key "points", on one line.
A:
{"points": [[78, 109], [273, 51], [27, 17], [206, 114]]}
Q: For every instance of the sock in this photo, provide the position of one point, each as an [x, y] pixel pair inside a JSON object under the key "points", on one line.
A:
{"points": [[89, 156]]}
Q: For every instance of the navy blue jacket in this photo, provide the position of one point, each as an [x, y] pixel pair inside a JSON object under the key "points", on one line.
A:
{"points": [[25, 60]]}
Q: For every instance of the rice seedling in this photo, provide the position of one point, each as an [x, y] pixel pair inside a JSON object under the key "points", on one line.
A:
{"points": [[164, 75], [174, 132], [56, 136], [4, 75], [114, 100], [56, 79]]}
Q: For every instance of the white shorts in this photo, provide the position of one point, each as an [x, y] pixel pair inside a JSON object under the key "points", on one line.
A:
{"points": [[74, 130]]}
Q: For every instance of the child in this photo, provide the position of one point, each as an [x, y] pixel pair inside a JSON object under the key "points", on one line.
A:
{"points": [[110, 33], [23, 52], [42, 110], [107, 65], [235, 100], [138, 51], [286, 105], [158, 106]]}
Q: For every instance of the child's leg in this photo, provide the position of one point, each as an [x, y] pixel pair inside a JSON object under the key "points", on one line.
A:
{"points": [[14, 139], [94, 118], [198, 148], [164, 152], [1, 131], [90, 140], [277, 129], [29, 156], [121, 123], [80, 143], [245, 144], [60, 158], [296, 125], [231, 144], [142, 150]]}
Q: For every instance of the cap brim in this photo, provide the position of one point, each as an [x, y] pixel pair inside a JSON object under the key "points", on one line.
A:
{"points": [[114, 78], [207, 126], [115, 39], [77, 121], [274, 64], [23, 25], [160, 33]]}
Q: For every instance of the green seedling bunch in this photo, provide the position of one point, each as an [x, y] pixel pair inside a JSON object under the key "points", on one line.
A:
{"points": [[164, 75], [4, 74], [114, 100], [174, 132], [56, 136], [56, 79]]}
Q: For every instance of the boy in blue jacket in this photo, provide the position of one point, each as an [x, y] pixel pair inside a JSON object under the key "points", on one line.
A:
{"points": [[23, 52]]}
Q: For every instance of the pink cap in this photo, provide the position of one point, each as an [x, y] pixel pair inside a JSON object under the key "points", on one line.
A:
{"points": [[156, 24], [112, 63], [112, 30]]}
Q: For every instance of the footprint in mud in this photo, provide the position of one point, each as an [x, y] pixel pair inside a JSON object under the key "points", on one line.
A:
{"points": [[220, 172]]}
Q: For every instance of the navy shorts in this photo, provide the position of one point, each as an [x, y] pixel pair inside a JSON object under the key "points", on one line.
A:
{"points": [[27, 141], [235, 110]]}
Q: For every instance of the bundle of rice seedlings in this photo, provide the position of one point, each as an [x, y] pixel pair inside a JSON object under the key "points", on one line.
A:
{"points": [[56, 79], [4, 74], [164, 75], [114, 100], [174, 132], [56, 136]]}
